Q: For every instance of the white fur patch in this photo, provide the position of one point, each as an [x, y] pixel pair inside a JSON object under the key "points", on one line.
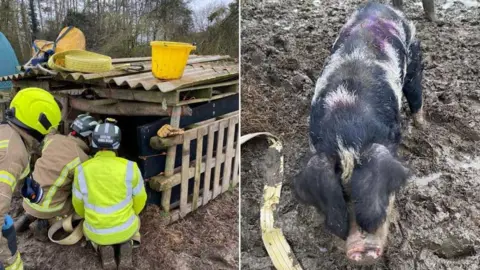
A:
{"points": [[339, 96], [413, 31], [310, 144], [335, 61], [392, 72], [348, 157]]}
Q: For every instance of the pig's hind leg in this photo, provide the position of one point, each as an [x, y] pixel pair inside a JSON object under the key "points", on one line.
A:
{"points": [[412, 88], [429, 8]]}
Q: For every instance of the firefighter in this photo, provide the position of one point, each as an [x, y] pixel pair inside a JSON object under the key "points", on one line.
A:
{"points": [[109, 192], [47, 194], [32, 114]]}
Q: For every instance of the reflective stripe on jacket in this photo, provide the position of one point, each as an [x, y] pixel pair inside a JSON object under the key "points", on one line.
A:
{"points": [[14, 156], [109, 192], [54, 173]]}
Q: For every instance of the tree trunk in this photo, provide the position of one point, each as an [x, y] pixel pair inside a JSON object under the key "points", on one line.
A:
{"points": [[33, 18], [40, 14]]}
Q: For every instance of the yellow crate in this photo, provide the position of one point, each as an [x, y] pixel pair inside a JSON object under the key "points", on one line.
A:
{"points": [[169, 59]]}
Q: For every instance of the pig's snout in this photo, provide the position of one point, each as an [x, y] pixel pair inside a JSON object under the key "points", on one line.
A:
{"points": [[365, 248]]}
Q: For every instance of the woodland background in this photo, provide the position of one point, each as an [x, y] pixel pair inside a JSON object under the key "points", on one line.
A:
{"points": [[123, 28]]}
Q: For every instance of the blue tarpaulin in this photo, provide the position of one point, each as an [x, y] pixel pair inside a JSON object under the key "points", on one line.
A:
{"points": [[8, 61]]}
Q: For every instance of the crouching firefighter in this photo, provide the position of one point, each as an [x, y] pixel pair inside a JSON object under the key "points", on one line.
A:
{"points": [[32, 114], [47, 194], [109, 192]]}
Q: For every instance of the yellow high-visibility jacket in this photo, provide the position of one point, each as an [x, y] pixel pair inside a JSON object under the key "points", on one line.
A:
{"points": [[109, 192]]}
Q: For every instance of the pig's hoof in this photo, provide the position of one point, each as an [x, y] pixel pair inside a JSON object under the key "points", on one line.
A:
{"points": [[431, 17], [419, 121]]}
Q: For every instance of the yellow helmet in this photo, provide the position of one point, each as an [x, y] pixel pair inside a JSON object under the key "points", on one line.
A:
{"points": [[35, 109]]}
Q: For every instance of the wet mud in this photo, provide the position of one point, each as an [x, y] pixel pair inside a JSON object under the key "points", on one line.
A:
{"points": [[205, 239], [284, 46]]}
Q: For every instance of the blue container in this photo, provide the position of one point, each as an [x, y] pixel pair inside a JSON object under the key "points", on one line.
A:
{"points": [[8, 60]]}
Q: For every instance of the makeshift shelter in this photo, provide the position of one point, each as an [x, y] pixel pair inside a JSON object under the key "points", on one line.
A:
{"points": [[8, 61], [183, 171]]}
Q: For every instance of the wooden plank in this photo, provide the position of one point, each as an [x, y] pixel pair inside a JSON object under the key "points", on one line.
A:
{"points": [[125, 108], [177, 214], [208, 163], [218, 154], [201, 123], [170, 162], [198, 166], [138, 95], [44, 84], [185, 176], [236, 161], [198, 100], [229, 153], [214, 85], [162, 182], [232, 114]]}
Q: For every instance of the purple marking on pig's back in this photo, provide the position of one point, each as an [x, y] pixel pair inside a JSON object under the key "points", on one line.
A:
{"points": [[376, 30]]}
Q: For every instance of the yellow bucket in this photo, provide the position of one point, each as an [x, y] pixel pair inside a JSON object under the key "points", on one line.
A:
{"points": [[169, 59]]}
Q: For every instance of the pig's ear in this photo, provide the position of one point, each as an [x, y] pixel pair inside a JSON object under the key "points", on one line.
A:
{"points": [[378, 175], [318, 185]]}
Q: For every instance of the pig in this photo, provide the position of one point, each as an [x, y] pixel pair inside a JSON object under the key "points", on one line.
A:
{"points": [[355, 128], [428, 8]]}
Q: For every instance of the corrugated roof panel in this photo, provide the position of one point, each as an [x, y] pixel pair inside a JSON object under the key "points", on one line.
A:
{"points": [[191, 77], [200, 70]]}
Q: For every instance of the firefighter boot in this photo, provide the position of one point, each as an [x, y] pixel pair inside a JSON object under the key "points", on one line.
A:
{"points": [[40, 229], [107, 257], [23, 222], [125, 256]]}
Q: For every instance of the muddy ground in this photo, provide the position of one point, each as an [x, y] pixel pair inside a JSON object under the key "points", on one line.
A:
{"points": [[206, 239], [284, 45]]}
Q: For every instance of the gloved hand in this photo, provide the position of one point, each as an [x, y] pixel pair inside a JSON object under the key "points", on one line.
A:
{"points": [[8, 222], [32, 190], [8, 231]]}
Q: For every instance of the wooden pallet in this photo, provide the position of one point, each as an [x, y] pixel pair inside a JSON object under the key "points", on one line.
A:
{"points": [[213, 185]]}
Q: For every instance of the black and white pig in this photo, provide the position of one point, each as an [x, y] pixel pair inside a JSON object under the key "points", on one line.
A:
{"points": [[355, 128]]}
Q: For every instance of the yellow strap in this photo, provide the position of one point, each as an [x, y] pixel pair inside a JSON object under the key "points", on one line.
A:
{"points": [[76, 234], [273, 239], [17, 264]]}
